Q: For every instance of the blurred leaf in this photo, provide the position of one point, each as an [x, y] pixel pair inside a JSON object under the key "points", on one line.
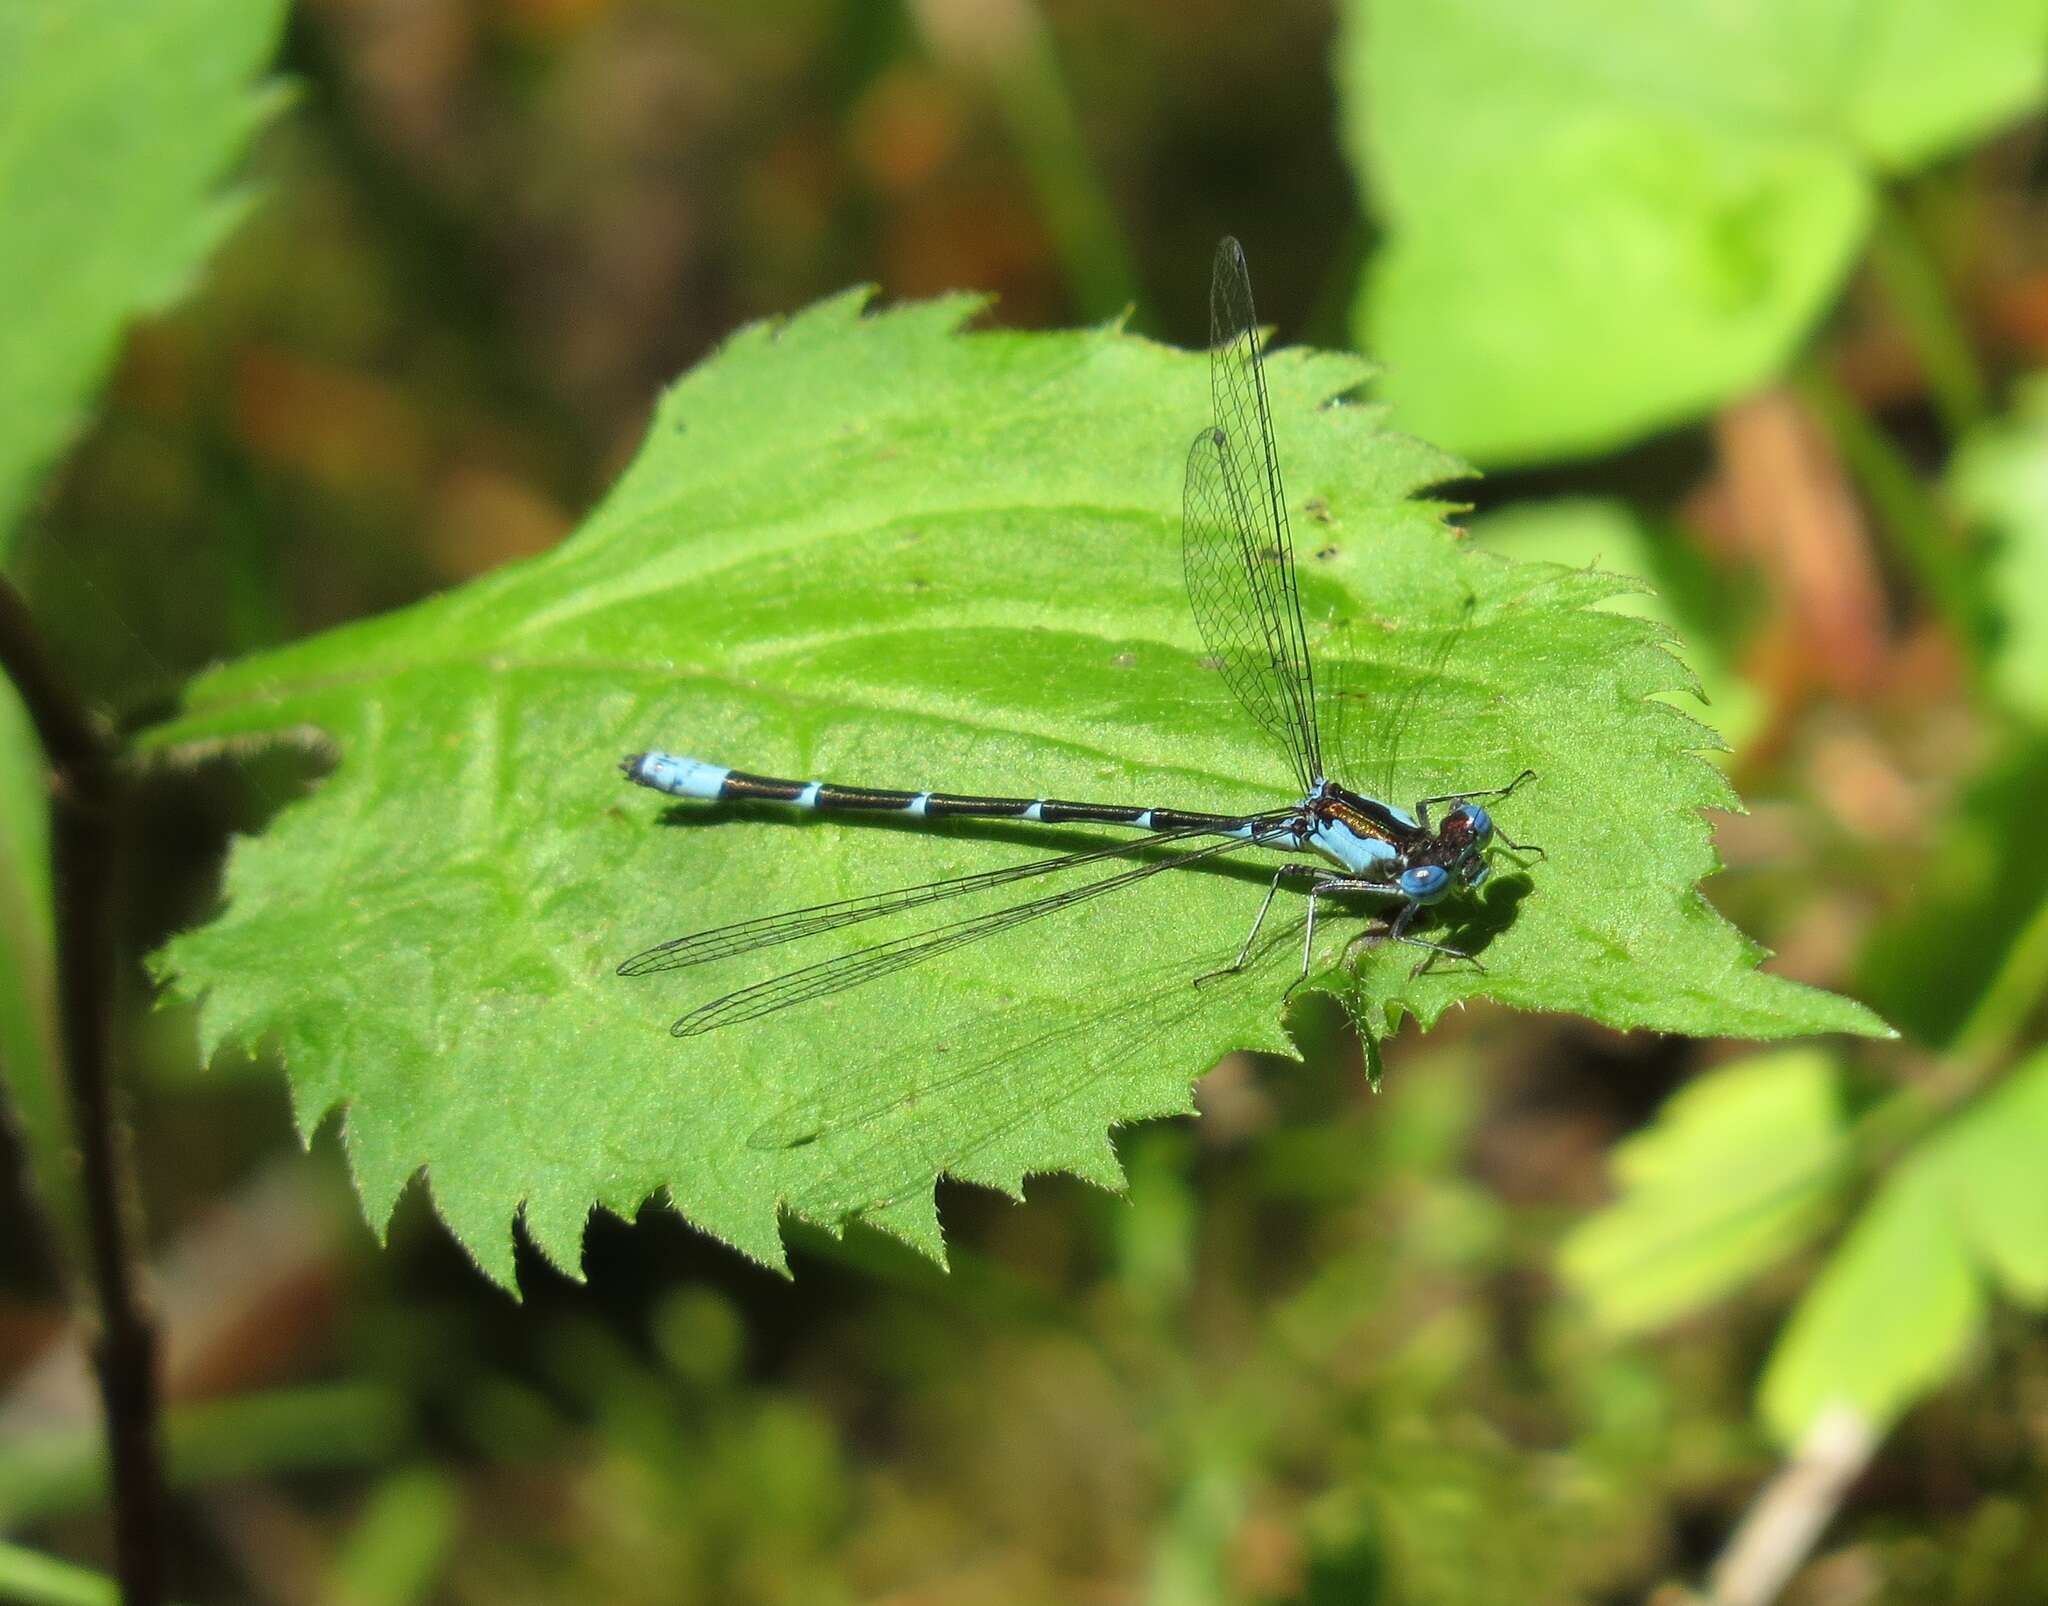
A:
{"points": [[1592, 533], [401, 1543], [1741, 1168], [1993, 1159], [1606, 217], [118, 123], [1896, 1309], [116, 126], [2000, 480], [34, 1579], [1963, 904], [54, 1471], [875, 550]]}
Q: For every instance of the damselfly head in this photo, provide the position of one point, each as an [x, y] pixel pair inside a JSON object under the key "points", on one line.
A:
{"points": [[1460, 837], [1459, 846]]}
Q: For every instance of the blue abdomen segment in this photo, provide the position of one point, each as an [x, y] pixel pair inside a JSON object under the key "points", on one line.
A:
{"points": [[679, 777], [693, 778]]}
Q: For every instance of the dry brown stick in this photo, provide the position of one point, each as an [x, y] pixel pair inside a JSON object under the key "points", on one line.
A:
{"points": [[84, 798]]}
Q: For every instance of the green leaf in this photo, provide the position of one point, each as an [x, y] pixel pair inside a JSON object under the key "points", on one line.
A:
{"points": [[117, 123], [31, 1577], [1999, 479], [1992, 1156], [115, 126], [1591, 532], [1741, 1168], [874, 550], [1605, 217], [1889, 1317], [1896, 1310]]}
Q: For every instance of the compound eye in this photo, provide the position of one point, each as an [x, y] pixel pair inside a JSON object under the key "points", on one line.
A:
{"points": [[1482, 822], [1424, 883]]}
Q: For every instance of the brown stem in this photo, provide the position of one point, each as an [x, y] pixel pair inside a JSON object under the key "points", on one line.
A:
{"points": [[84, 797]]}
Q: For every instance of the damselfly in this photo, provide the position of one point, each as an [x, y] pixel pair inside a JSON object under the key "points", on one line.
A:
{"points": [[1238, 558]]}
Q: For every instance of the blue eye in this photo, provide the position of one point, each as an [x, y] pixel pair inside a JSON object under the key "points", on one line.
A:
{"points": [[1424, 883], [1482, 822]]}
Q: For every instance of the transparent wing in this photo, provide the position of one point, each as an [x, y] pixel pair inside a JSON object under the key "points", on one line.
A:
{"points": [[1377, 700], [887, 958], [973, 1080], [790, 925], [1236, 548]]}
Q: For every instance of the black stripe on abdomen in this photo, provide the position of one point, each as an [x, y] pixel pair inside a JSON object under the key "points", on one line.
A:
{"points": [[741, 787]]}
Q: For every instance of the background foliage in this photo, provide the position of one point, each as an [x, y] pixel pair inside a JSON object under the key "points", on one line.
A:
{"points": [[1749, 310]]}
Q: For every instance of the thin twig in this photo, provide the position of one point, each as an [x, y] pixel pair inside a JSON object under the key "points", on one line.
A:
{"points": [[83, 812], [1782, 1527]]}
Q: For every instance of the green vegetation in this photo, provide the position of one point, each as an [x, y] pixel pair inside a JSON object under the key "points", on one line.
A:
{"points": [[407, 419]]}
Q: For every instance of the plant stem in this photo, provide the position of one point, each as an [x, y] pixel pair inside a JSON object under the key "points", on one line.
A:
{"points": [[1981, 1049], [1906, 512], [1994, 1025], [1914, 284], [1008, 44], [84, 795]]}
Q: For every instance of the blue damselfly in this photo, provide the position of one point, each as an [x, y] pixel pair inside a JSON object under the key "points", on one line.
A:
{"points": [[1238, 558]]}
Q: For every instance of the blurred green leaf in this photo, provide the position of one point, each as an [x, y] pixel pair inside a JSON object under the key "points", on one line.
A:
{"points": [[115, 127], [871, 549], [401, 1543], [1999, 479], [1605, 217], [1993, 1159], [50, 1472], [117, 123], [30, 1578], [1741, 1168], [1898, 1306]]}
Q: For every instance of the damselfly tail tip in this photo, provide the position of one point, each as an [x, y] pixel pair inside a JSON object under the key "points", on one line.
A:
{"points": [[629, 766]]}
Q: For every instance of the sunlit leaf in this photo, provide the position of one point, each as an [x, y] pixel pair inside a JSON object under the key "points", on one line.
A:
{"points": [[1741, 1168], [1604, 217], [1897, 1308], [874, 550], [1993, 1155], [117, 122], [116, 125], [2000, 480], [1592, 533], [1889, 1317]]}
